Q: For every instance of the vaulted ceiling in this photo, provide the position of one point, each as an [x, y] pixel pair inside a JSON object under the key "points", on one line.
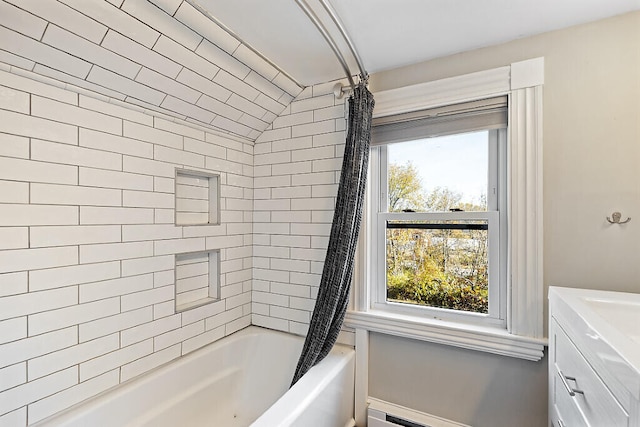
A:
{"points": [[235, 65]]}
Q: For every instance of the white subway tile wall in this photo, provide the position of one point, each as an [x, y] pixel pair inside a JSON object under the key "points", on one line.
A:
{"points": [[163, 55], [297, 169], [88, 240]]}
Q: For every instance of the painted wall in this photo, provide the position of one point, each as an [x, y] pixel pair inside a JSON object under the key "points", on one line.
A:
{"points": [[87, 244], [591, 168]]}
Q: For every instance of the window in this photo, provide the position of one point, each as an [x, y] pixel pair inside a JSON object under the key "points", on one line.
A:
{"points": [[440, 176], [451, 248]]}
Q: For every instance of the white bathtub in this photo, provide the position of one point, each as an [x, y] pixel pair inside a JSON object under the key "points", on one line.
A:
{"points": [[241, 380]]}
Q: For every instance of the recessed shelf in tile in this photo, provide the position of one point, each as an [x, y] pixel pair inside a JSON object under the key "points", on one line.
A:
{"points": [[197, 198], [197, 279]]}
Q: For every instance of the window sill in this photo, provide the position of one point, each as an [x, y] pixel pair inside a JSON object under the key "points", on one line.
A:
{"points": [[480, 338]]}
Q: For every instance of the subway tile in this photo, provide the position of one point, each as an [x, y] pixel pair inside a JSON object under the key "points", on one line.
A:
{"points": [[291, 192], [198, 22], [75, 394], [73, 155], [287, 85], [270, 322], [270, 298], [293, 119], [124, 85], [132, 267], [35, 127], [114, 287], [334, 138], [21, 21], [292, 290], [187, 109], [315, 128], [231, 126], [140, 54], [162, 22], [73, 235], [222, 59], [79, 85], [114, 251], [271, 275], [267, 102], [150, 232], [322, 216], [74, 195], [313, 178], [12, 376], [167, 85], [291, 241], [30, 215], [290, 265], [328, 113], [114, 179], [169, 6], [67, 17], [264, 86], [118, 144], [67, 357], [205, 148], [246, 106], [186, 57], [148, 167], [149, 330], [13, 283], [109, 361], [103, 216], [223, 318], [14, 100], [290, 314], [62, 112], [164, 216], [201, 84], [14, 146], [171, 155], [14, 418], [36, 390], [116, 19], [9, 59], [147, 298], [291, 168], [311, 229], [33, 86], [32, 171], [115, 108], [12, 330], [72, 315], [314, 103], [181, 128], [163, 309], [88, 51], [201, 340], [73, 275], [145, 199], [14, 238], [291, 216], [327, 190], [255, 62], [164, 247], [42, 53], [219, 108], [149, 134], [252, 122], [28, 348], [147, 363], [109, 325], [236, 85], [319, 203], [163, 185]]}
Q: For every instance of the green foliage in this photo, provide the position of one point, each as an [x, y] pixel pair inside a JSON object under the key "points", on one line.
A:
{"points": [[439, 268]]}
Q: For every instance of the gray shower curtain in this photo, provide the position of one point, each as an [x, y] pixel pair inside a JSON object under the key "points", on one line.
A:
{"points": [[333, 294]]}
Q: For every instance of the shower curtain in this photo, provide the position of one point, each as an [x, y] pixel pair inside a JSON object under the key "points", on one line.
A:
{"points": [[333, 294]]}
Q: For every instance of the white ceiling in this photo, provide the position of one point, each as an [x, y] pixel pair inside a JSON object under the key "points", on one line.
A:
{"points": [[393, 33]]}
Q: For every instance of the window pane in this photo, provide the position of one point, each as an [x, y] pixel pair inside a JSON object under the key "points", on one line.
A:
{"points": [[439, 174], [438, 263]]}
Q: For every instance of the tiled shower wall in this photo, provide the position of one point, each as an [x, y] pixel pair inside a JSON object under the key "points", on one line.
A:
{"points": [[87, 243], [297, 166]]}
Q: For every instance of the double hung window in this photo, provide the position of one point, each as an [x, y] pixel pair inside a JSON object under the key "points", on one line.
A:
{"points": [[439, 212]]}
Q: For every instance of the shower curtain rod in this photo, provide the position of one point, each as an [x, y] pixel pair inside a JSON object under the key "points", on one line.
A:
{"points": [[323, 30]]}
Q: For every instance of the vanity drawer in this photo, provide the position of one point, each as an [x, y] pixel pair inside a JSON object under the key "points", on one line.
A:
{"points": [[591, 396]]}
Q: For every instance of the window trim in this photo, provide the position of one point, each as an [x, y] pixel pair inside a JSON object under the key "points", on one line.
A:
{"points": [[523, 336]]}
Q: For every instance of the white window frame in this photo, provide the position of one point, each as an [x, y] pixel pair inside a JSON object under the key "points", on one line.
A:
{"points": [[495, 217], [522, 334]]}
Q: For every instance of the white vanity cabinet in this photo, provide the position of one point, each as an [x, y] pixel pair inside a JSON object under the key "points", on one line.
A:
{"points": [[594, 358]]}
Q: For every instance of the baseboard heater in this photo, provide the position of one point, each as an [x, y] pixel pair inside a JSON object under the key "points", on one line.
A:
{"points": [[385, 414]]}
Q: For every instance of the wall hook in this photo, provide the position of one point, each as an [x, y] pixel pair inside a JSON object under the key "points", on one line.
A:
{"points": [[615, 218]]}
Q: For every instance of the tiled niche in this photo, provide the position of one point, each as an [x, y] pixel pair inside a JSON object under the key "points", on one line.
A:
{"points": [[197, 198], [197, 279]]}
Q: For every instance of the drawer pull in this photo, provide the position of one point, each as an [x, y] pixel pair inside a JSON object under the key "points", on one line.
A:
{"points": [[572, 391]]}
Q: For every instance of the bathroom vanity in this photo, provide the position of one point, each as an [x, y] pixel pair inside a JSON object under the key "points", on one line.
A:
{"points": [[594, 358]]}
